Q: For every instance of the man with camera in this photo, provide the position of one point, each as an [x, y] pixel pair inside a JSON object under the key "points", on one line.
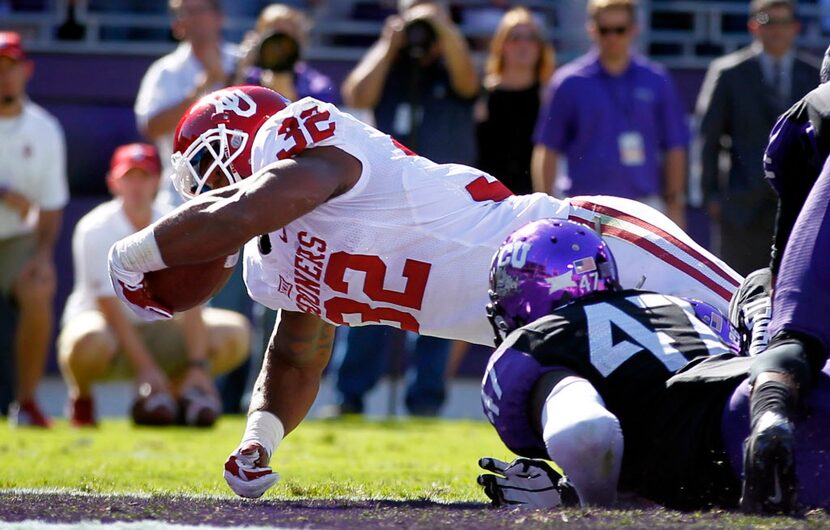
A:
{"points": [[273, 54], [420, 80]]}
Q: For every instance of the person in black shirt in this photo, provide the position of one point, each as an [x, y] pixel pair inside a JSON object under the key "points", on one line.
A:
{"points": [[798, 146], [520, 62]]}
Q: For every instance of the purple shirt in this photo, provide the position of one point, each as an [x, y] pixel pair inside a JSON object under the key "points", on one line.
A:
{"points": [[586, 112], [307, 82]]}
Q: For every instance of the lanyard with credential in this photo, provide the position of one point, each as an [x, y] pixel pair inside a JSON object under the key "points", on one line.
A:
{"points": [[630, 141], [620, 90]]}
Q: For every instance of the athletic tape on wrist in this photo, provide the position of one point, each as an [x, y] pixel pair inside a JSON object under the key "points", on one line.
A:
{"points": [[140, 252], [265, 428]]}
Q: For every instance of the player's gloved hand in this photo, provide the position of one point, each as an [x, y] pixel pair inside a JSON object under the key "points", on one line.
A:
{"points": [[247, 471], [525, 482], [130, 288]]}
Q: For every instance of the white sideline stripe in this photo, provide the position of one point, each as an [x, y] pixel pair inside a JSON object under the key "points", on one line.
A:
{"points": [[122, 525]]}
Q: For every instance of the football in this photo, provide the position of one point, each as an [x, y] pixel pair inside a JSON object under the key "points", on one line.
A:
{"points": [[187, 286], [153, 408]]}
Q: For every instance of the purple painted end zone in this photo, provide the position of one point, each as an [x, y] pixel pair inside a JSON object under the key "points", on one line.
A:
{"points": [[364, 515]]}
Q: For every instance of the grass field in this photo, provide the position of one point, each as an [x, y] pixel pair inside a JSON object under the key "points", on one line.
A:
{"points": [[352, 458], [335, 474]]}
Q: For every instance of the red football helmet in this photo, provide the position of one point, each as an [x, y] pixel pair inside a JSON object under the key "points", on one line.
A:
{"points": [[217, 131]]}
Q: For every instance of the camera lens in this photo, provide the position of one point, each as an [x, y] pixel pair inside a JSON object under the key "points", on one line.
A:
{"points": [[420, 36], [278, 52]]}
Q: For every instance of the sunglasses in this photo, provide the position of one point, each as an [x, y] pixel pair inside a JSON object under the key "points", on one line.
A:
{"points": [[612, 30], [765, 20]]}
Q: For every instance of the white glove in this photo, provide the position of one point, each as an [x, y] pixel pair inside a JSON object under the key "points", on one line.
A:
{"points": [[243, 474], [525, 482], [130, 289]]}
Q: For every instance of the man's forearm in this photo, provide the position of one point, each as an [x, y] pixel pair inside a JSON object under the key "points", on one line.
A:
{"points": [[675, 176], [362, 87], [48, 229], [218, 223], [674, 190], [125, 333], [286, 390], [462, 70], [543, 169], [165, 121], [291, 372]]}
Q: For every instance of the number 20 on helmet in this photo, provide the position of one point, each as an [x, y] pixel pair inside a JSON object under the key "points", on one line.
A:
{"points": [[545, 265], [216, 133]]}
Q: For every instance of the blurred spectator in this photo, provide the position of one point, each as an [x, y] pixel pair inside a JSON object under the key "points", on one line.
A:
{"points": [[420, 81], [239, 13], [519, 64], [33, 192], [741, 97], [102, 339], [273, 54], [200, 64], [272, 57], [616, 117]]}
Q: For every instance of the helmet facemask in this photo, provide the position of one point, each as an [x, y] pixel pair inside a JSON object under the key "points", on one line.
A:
{"points": [[215, 149], [501, 323]]}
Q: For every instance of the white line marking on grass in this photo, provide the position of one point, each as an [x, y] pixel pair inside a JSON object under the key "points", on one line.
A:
{"points": [[135, 525]]}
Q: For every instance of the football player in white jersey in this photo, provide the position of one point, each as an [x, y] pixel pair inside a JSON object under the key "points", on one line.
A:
{"points": [[343, 225]]}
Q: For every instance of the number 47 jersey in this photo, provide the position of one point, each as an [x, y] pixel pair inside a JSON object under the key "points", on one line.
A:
{"points": [[627, 344], [410, 244]]}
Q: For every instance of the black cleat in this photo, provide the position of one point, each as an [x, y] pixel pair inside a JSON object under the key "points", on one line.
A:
{"points": [[567, 492], [769, 482]]}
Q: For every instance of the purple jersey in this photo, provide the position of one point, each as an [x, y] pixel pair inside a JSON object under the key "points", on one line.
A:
{"points": [[626, 343], [802, 292], [798, 144], [589, 116]]}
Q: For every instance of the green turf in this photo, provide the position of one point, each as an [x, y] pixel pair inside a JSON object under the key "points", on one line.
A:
{"points": [[347, 459], [351, 458]]}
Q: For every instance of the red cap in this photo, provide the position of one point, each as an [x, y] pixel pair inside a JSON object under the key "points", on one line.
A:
{"points": [[10, 46], [141, 156]]}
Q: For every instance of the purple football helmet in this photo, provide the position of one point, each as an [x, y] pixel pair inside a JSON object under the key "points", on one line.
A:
{"points": [[545, 265]]}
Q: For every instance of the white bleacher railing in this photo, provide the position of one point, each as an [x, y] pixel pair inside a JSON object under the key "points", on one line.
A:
{"points": [[679, 33]]}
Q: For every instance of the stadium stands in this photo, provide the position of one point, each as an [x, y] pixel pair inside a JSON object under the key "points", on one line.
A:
{"points": [[679, 33]]}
